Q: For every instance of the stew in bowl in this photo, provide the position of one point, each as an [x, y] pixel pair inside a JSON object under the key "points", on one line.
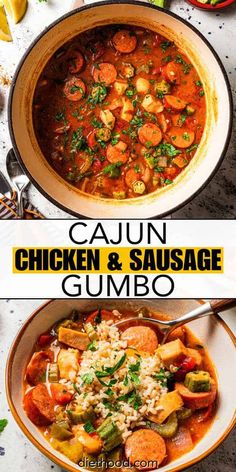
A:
{"points": [[103, 395], [119, 111]]}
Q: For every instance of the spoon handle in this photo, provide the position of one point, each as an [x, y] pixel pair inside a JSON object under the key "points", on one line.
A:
{"points": [[209, 308], [20, 208], [222, 304]]}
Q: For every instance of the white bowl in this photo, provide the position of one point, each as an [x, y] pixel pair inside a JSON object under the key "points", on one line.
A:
{"points": [[211, 331], [213, 144]]}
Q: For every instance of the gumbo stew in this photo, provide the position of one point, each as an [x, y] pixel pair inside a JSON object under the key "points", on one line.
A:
{"points": [[119, 111], [105, 395]]}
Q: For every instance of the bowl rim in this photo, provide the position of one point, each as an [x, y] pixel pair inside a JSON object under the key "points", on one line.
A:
{"points": [[220, 6], [99, 5], [50, 455]]}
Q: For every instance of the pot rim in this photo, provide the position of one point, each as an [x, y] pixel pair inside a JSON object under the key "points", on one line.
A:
{"points": [[97, 5], [50, 455]]}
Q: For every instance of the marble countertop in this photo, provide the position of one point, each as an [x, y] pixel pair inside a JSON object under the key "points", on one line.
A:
{"points": [[218, 200], [18, 454]]}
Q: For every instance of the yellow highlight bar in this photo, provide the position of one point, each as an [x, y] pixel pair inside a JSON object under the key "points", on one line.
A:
{"points": [[126, 260]]}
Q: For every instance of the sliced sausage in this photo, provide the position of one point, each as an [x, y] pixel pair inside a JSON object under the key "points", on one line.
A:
{"points": [[74, 89], [180, 444], [149, 135], [117, 153], [76, 62], [146, 447], [39, 406], [130, 177], [36, 369], [124, 41], [198, 400], [104, 315], [181, 137], [175, 103], [104, 73], [171, 73], [141, 338]]}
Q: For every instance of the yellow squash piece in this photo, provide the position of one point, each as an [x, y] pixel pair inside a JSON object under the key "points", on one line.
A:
{"points": [[172, 352], [72, 449], [5, 33], [169, 403], [73, 338], [16, 8], [92, 445]]}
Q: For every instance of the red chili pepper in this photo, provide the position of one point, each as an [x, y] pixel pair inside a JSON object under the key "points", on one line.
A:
{"points": [[187, 365], [45, 339]]}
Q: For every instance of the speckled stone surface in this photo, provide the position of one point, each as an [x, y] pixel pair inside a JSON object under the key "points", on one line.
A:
{"points": [[218, 200], [21, 455]]}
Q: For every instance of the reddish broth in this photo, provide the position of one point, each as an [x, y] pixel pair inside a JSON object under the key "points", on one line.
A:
{"points": [[190, 430], [154, 111]]}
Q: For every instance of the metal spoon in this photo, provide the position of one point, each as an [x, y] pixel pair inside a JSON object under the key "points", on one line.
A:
{"points": [[209, 308], [18, 179]]}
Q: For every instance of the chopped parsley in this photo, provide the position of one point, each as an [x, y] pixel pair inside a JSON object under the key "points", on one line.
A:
{"points": [[137, 168], [88, 378], [130, 92], [107, 371], [166, 149], [165, 45], [167, 59], [186, 136], [96, 123], [115, 138], [191, 148], [92, 346], [182, 119], [160, 94], [132, 398], [88, 427], [60, 116], [126, 381], [76, 88], [98, 94], [201, 93], [163, 376], [3, 424], [112, 170], [75, 388], [198, 83], [78, 142], [98, 317], [137, 121], [186, 67]]}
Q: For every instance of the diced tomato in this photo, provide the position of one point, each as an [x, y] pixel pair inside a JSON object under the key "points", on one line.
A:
{"points": [[45, 339], [186, 365], [60, 394]]}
